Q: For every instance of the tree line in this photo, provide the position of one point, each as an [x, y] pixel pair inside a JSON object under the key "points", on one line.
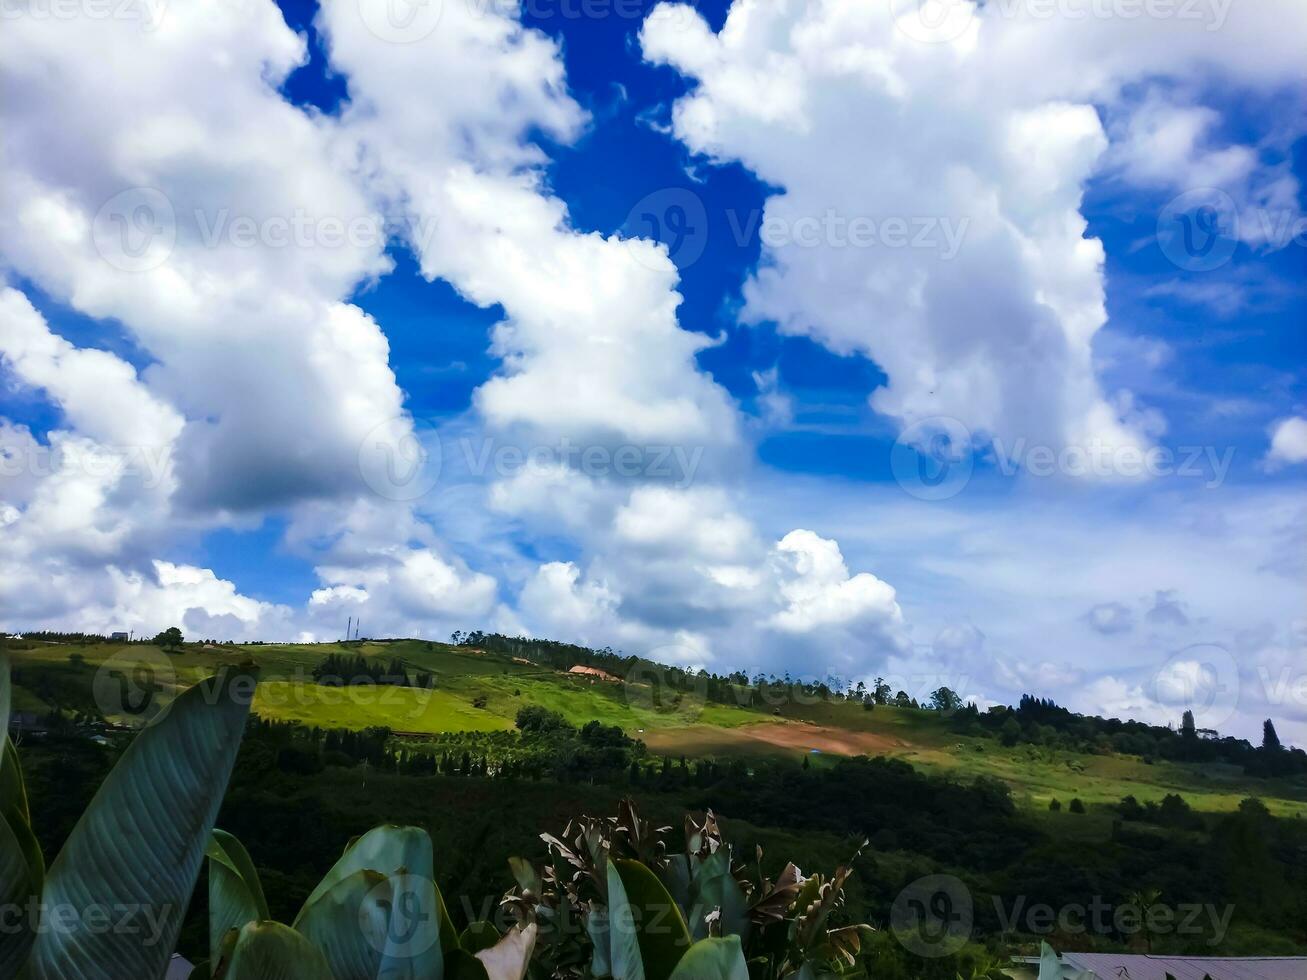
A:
{"points": [[343, 670], [1041, 721]]}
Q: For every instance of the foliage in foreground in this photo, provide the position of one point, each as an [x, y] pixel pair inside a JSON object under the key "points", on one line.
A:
{"points": [[609, 872], [612, 903], [112, 903], [639, 913], [377, 913]]}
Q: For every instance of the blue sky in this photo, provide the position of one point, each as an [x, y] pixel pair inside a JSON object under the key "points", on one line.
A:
{"points": [[1052, 439]]}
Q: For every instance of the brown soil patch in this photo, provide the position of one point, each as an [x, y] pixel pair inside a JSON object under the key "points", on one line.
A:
{"points": [[805, 737], [794, 736]]}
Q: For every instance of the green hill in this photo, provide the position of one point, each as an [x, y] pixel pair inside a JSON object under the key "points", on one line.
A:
{"points": [[438, 738], [482, 690]]}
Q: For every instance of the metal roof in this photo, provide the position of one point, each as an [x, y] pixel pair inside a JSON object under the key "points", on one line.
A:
{"points": [[1124, 966]]}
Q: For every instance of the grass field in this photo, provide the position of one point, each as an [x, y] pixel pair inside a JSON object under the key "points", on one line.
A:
{"points": [[404, 709], [479, 692]]}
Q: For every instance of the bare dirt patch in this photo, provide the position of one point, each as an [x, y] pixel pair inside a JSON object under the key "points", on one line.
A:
{"points": [[791, 736], [806, 737]]}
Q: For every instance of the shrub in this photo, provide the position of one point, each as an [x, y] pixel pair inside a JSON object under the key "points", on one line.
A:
{"points": [[697, 915], [534, 718]]}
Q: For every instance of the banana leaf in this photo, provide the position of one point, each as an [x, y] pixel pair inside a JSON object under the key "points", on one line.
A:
{"points": [[388, 849], [371, 926], [713, 959], [408, 927], [235, 893], [647, 931], [137, 849], [715, 888], [272, 951], [22, 866]]}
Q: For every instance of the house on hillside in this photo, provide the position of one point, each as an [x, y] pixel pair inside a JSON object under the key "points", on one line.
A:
{"points": [[593, 672], [1134, 966]]}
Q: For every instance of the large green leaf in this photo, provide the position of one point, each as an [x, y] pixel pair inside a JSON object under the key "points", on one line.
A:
{"points": [[677, 875], [272, 951], [596, 926], [13, 793], [6, 695], [22, 867], [137, 849], [448, 937], [715, 888], [16, 892], [415, 926], [642, 911], [713, 959], [624, 957], [13, 790], [235, 893], [370, 925], [388, 849], [348, 923]]}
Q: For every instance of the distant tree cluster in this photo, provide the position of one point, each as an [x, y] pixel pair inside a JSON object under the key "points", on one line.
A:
{"points": [[545, 747], [58, 636], [1172, 812], [290, 747], [342, 670], [550, 653], [1042, 722]]}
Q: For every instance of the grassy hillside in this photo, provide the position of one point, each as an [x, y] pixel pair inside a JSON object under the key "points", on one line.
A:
{"points": [[475, 691]]}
